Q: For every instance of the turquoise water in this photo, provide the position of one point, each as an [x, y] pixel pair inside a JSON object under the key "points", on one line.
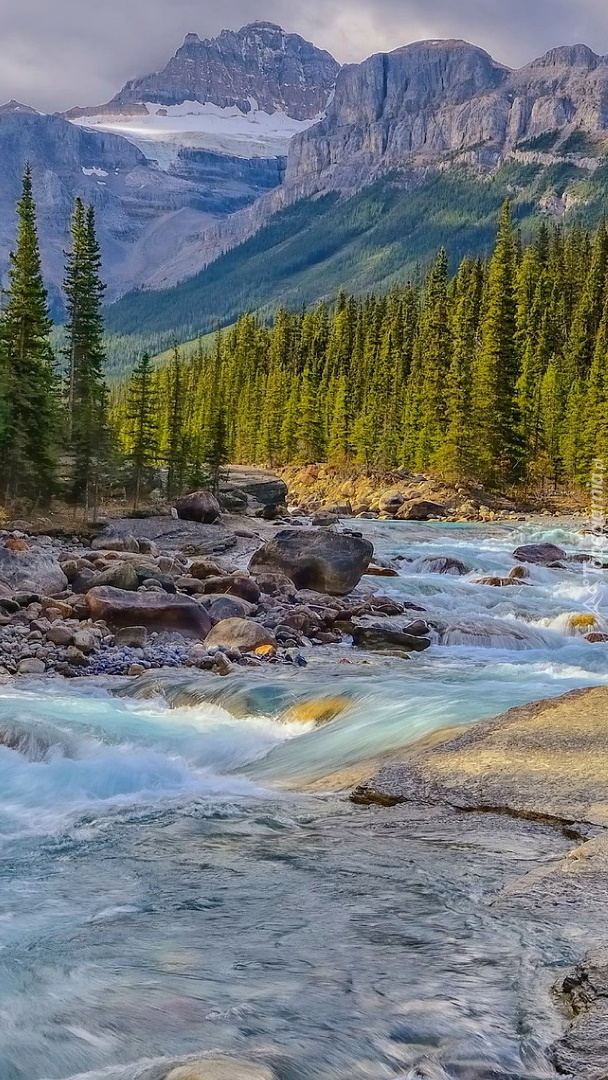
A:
{"points": [[163, 894]]}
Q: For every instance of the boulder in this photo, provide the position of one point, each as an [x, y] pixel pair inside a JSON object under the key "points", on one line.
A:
{"points": [[31, 667], [442, 564], [540, 554], [154, 610], [199, 506], [131, 637], [256, 484], [245, 587], [374, 570], [110, 541], [122, 575], [205, 568], [221, 1069], [391, 502], [275, 585], [228, 607], [421, 511], [244, 634], [32, 571], [60, 635], [326, 562], [381, 636], [325, 519]]}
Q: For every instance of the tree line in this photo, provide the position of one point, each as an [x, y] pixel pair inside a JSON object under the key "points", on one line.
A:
{"points": [[54, 430], [498, 374]]}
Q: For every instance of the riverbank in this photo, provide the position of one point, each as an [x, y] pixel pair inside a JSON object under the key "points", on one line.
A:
{"points": [[548, 763]]}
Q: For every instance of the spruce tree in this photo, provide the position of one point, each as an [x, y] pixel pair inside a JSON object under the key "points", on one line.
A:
{"points": [[496, 442], [87, 391], [142, 420], [29, 419]]}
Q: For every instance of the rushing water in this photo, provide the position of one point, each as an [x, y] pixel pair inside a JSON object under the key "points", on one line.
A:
{"points": [[170, 886]]}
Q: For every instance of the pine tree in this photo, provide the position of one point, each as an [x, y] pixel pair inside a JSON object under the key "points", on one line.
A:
{"points": [[496, 444], [29, 419], [177, 450], [87, 391], [142, 419]]}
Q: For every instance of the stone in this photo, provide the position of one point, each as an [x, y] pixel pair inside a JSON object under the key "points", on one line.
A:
{"points": [[421, 511], [244, 587], [325, 519], [13, 544], [255, 484], [442, 564], [596, 638], [519, 573], [60, 635], [221, 1069], [112, 542], [199, 506], [85, 641], [323, 561], [122, 575], [205, 568], [229, 607], [75, 657], [154, 610], [131, 637], [34, 571], [374, 570], [222, 665], [276, 585], [540, 554], [31, 667], [381, 636], [136, 670], [244, 634], [391, 502]]}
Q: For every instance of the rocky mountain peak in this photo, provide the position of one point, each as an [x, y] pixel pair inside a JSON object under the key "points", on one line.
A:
{"points": [[13, 106], [568, 56], [260, 63]]}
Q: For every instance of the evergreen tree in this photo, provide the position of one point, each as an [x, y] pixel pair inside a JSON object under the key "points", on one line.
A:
{"points": [[496, 444], [142, 418], [29, 418], [88, 432]]}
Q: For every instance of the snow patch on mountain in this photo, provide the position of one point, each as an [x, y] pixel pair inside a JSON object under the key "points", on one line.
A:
{"points": [[161, 132]]}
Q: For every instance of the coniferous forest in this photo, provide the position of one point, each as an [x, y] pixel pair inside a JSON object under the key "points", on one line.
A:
{"points": [[498, 374]]}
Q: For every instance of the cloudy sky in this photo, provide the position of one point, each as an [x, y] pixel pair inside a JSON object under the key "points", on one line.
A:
{"points": [[59, 53]]}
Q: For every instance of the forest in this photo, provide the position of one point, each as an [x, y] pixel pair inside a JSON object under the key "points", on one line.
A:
{"points": [[496, 374]]}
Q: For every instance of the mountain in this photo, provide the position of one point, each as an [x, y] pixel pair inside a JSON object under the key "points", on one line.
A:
{"points": [[417, 148], [171, 155], [245, 93]]}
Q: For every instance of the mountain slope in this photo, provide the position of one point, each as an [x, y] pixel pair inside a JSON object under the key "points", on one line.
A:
{"points": [[435, 105]]}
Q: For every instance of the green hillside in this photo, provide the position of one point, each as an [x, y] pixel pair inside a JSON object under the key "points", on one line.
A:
{"points": [[383, 235]]}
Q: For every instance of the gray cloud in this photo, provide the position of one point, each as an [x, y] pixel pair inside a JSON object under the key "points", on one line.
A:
{"points": [[58, 53]]}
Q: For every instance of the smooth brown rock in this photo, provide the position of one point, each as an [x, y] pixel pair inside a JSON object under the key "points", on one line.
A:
{"points": [[421, 511], [205, 568], [154, 610], [221, 1069], [199, 506], [245, 587], [131, 637], [322, 561], [381, 636], [122, 575], [244, 634]]}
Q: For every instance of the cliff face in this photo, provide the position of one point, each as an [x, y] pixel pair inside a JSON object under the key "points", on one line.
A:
{"points": [[437, 101]]}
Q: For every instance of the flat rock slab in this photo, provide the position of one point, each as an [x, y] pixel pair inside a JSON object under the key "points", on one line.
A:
{"points": [[545, 761], [169, 533]]}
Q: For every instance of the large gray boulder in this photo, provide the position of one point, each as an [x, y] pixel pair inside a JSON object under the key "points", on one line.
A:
{"points": [[540, 554], [32, 571], [244, 634], [325, 562]]}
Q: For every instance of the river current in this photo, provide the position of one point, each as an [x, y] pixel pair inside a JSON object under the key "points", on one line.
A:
{"points": [[177, 877]]}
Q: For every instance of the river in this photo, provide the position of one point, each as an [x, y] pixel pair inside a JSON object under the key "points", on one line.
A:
{"points": [[176, 878]]}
